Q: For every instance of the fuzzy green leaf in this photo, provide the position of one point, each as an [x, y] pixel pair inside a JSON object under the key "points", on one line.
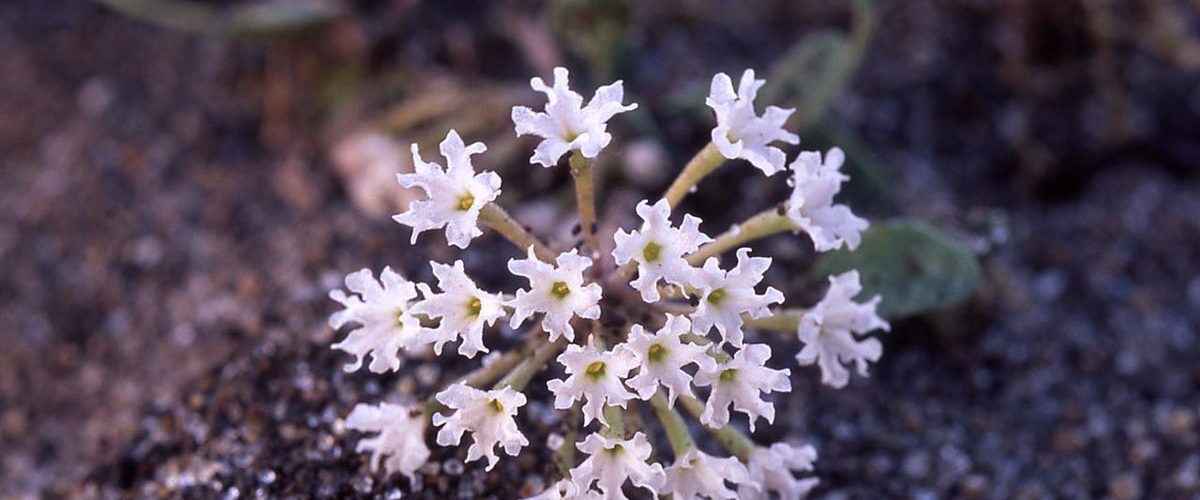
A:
{"points": [[915, 267]]}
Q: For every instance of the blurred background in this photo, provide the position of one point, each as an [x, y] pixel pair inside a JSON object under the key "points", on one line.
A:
{"points": [[182, 181]]}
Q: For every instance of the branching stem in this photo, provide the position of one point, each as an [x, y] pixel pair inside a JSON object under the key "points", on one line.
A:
{"points": [[496, 218]]}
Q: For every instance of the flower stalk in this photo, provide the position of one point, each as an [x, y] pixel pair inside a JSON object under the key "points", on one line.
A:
{"points": [[519, 377], [499, 220], [765, 223], [783, 320], [507, 363], [585, 197], [616, 422], [732, 439], [673, 424], [707, 160]]}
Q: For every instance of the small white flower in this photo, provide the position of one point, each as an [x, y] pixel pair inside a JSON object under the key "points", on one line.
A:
{"points": [[661, 356], [828, 331], [464, 309], [567, 124], [557, 291], [489, 415], [455, 195], [658, 248], [381, 309], [401, 436], [739, 381], [565, 489], [727, 295], [740, 132], [814, 183], [698, 475], [613, 461], [593, 375], [771, 470]]}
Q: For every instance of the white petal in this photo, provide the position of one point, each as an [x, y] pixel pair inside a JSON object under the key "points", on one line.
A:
{"points": [[828, 332], [401, 436]]}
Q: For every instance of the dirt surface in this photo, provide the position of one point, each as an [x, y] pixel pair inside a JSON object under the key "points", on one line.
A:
{"points": [[170, 222]]}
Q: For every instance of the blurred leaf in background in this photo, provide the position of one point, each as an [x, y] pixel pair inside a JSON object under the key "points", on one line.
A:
{"points": [[914, 266]]}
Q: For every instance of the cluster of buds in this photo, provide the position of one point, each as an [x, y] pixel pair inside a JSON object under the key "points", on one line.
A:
{"points": [[691, 354]]}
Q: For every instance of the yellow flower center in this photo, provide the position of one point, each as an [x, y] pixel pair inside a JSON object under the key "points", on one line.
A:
{"points": [[716, 296], [474, 306], [728, 374], [496, 405], [560, 290], [595, 370], [399, 318], [465, 202], [656, 352], [652, 251]]}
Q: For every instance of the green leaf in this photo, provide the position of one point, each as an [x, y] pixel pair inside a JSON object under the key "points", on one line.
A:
{"points": [[810, 75], [915, 267]]}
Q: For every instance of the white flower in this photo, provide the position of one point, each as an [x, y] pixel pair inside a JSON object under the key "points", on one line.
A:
{"points": [[727, 295], [567, 124], [698, 475], [814, 183], [565, 489], [455, 194], [464, 309], [828, 331], [739, 381], [489, 415], [612, 461], [557, 291], [659, 248], [740, 132], [401, 436], [593, 375], [771, 470], [661, 356], [381, 310]]}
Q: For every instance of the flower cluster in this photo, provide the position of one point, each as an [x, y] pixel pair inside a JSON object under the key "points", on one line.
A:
{"points": [[689, 351]]}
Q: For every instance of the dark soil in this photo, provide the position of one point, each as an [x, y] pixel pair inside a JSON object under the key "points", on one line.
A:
{"points": [[170, 223]]}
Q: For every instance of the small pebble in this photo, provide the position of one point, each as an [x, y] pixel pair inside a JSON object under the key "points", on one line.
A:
{"points": [[1125, 486]]}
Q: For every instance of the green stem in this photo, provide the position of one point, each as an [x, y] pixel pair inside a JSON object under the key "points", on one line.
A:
{"points": [[565, 454], [616, 422], [729, 436], [519, 377], [707, 160], [785, 320], [242, 20], [673, 424], [763, 224], [780, 320], [714, 350], [585, 197], [496, 218], [491, 371]]}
